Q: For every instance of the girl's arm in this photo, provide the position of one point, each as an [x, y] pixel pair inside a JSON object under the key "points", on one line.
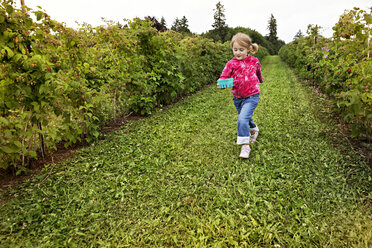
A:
{"points": [[227, 71], [258, 72]]}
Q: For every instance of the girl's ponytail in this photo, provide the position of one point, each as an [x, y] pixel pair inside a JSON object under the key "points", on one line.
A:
{"points": [[254, 48]]}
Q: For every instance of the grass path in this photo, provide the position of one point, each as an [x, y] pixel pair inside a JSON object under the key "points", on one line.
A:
{"points": [[175, 179]]}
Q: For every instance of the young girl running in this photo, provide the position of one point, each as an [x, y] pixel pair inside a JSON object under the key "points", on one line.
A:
{"points": [[246, 72]]}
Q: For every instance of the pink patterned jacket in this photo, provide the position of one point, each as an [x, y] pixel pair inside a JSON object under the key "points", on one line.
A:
{"points": [[247, 75]]}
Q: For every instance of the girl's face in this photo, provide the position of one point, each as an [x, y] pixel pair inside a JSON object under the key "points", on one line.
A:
{"points": [[239, 51]]}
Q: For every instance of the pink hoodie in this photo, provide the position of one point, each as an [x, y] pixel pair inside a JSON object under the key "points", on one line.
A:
{"points": [[247, 75]]}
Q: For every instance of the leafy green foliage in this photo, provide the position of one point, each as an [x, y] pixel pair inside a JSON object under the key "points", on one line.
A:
{"points": [[340, 66], [256, 38], [60, 84], [175, 180]]}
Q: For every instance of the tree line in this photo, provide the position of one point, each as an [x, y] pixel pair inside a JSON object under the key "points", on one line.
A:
{"points": [[222, 32]]}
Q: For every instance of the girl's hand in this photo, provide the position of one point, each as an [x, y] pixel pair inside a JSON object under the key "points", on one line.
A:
{"points": [[218, 85]]}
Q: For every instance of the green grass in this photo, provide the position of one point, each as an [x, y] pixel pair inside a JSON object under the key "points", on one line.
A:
{"points": [[175, 179]]}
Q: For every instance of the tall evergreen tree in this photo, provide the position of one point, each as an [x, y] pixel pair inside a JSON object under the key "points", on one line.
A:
{"points": [[181, 26], [272, 27], [176, 25], [155, 24], [298, 35], [272, 37], [219, 24], [162, 22], [184, 25]]}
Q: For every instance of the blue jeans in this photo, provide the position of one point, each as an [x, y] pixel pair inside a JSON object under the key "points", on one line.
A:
{"points": [[245, 108]]}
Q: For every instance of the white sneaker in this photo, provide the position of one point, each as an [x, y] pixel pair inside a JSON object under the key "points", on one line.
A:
{"points": [[253, 135], [245, 151]]}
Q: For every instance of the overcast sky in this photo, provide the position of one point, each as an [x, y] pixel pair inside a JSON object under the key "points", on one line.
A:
{"points": [[291, 15]]}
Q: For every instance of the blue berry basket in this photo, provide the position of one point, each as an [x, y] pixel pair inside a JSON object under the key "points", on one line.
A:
{"points": [[225, 83]]}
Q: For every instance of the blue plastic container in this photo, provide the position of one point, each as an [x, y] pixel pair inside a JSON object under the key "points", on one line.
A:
{"points": [[225, 83]]}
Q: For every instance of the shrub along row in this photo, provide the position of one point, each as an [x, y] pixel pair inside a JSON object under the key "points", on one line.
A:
{"points": [[341, 66], [60, 84]]}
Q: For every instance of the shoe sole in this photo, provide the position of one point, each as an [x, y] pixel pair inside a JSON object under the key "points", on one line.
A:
{"points": [[243, 156]]}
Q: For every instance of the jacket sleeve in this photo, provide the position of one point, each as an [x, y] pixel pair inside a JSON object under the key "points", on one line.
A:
{"points": [[258, 72], [227, 71]]}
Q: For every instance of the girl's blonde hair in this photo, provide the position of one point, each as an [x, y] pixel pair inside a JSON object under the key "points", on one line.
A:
{"points": [[245, 41]]}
